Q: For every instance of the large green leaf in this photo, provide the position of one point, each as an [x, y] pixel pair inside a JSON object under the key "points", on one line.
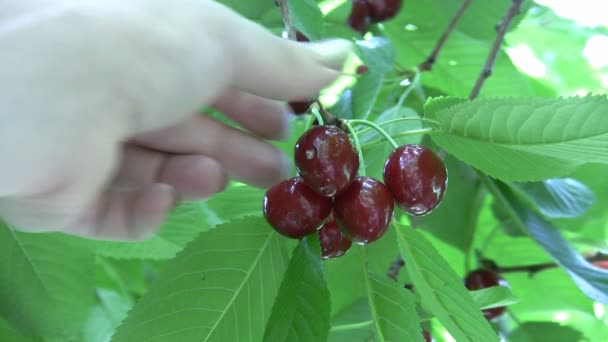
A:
{"points": [[306, 17], [393, 310], [46, 282], [544, 331], [440, 288], [592, 280], [557, 197], [302, 308], [219, 288], [8, 333], [524, 139], [111, 308]]}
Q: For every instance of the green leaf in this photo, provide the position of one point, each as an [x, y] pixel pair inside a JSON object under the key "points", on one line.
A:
{"points": [[393, 310], [591, 280], [8, 333], [302, 308], [106, 315], [220, 287], [352, 324], [46, 282], [306, 17], [544, 331], [454, 220], [494, 296], [525, 139], [558, 197], [378, 56], [442, 289]]}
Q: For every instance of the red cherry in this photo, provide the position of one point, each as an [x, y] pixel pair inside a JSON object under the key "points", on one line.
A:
{"points": [[416, 177], [326, 159], [364, 210], [359, 18], [333, 241], [481, 279], [427, 336], [382, 10], [300, 107], [294, 210], [300, 37], [362, 69]]}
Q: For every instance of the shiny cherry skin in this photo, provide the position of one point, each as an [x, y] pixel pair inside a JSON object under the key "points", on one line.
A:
{"points": [[359, 18], [294, 210], [427, 336], [364, 210], [416, 177], [326, 159], [481, 279], [334, 243], [382, 10]]}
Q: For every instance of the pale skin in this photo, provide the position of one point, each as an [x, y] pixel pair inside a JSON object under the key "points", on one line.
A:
{"points": [[99, 132]]}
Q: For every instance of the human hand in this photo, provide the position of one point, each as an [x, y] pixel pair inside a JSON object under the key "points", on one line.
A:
{"points": [[99, 135]]}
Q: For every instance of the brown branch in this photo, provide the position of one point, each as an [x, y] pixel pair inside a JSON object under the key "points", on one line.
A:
{"points": [[427, 65], [291, 30], [502, 28], [535, 268]]}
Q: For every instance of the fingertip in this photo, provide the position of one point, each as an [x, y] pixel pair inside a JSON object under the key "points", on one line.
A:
{"points": [[332, 53]]}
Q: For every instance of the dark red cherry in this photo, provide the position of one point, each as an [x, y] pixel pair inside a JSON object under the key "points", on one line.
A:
{"points": [[364, 210], [382, 10], [416, 177], [427, 336], [333, 241], [359, 19], [300, 37], [326, 159], [481, 279], [294, 210], [362, 69], [300, 107]]}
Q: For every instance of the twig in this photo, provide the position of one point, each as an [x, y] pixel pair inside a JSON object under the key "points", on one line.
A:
{"points": [[503, 26], [291, 30], [535, 268], [427, 65]]}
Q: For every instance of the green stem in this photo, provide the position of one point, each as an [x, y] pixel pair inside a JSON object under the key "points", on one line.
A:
{"points": [[309, 123], [390, 122], [351, 326], [377, 128], [409, 89], [355, 137], [405, 134], [315, 112]]}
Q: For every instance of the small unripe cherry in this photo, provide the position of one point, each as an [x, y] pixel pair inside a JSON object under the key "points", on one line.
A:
{"points": [[294, 210], [326, 159]]}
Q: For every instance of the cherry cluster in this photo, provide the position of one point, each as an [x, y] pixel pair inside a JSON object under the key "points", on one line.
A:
{"points": [[365, 12], [481, 279], [329, 197]]}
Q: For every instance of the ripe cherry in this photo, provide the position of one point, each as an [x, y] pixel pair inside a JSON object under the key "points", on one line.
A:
{"points": [[416, 177], [294, 210], [362, 69], [326, 159], [481, 279], [333, 241], [300, 107], [382, 10], [300, 37], [359, 18], [427, 336], [364, 210]]}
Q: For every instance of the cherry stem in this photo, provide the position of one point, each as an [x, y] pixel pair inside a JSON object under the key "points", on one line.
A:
{"points": [[534, 268], [317, 115], [405, 134], [357, 144], [389, 122], [377, 128], [409, 89]]}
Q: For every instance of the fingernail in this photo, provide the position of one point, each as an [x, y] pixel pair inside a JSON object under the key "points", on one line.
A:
{"points": [[332, 53]]}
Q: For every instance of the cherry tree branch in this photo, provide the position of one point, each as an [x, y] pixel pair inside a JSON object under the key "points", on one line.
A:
{"points": [[290, 29], [535, 268], [427, 65], [502, 28]]}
